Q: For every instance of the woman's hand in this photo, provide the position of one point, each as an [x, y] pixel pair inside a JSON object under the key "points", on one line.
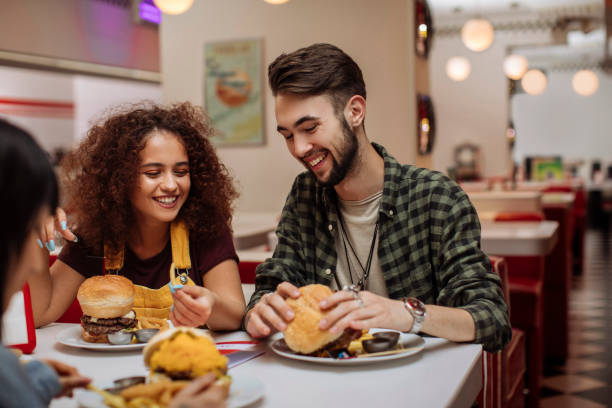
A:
{"points": [[58, 222], [201, 393], [69, 377], [193, 305]]}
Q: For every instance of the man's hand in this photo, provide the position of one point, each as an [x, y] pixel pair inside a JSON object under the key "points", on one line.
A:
{"points": [[69, 377], [272, 313], [345, 310], [193, 306]]}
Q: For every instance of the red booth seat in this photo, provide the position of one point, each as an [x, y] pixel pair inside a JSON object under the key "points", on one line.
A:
{"points": [[505, 371], [526, 287]]}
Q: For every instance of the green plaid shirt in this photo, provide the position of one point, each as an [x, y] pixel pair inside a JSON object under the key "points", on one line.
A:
{"points": [[429, 246]]}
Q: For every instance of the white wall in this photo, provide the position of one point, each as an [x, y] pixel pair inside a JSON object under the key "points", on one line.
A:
{"points": [[91, 96], [94, 95], [378, 35], [51, 131], [561, 122], [476, 109]]}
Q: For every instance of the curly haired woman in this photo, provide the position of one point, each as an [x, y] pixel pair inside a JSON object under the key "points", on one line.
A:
{"points": [[151, 201]]}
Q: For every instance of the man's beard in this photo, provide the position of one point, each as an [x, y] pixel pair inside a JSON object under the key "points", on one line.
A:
{"points": [[347, 153]]}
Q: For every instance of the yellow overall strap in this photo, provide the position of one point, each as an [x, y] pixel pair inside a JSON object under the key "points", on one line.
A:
{"points": [[157, 302], [179, 239], [113, 260]]}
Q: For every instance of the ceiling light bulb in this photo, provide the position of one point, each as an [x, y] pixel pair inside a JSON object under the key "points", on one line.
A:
{"points": [[534, 82], [458, 68], [515, 66], [173, 6], [477, 34], [276, 1], [585, 82]]}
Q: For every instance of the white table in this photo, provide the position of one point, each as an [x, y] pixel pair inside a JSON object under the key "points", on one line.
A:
{"points": [[519, 238], [506, 201], [444, 374], [252, 229]]}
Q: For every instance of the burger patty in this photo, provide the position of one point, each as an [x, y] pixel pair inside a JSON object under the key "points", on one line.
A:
{"points": [[341, 342], [177, 375], [125, 321], [105, 326]]}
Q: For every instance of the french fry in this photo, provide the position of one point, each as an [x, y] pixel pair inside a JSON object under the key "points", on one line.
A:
{"points": [[111, 400]]}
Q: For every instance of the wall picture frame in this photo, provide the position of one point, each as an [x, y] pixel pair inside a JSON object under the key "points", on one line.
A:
{"points": [[233, 91]]}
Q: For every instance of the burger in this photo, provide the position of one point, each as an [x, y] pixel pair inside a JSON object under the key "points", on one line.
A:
{"points": [[184, 353], [106, 302], [303, 335]]}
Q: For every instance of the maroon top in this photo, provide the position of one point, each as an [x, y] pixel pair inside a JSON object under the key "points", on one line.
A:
{"points": [[155, 271]]}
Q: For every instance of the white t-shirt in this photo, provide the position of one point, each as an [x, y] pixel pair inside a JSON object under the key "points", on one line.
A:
{"points": [[359, 220]]}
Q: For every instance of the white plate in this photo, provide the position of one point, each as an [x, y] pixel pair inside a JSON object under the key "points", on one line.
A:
{"points": [[71, 337], [412, 344], [244, 391]]}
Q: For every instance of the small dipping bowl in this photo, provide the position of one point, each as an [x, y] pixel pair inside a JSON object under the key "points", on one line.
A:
{"points": [[376, 345], [144, 335], [392, 336], [123, 383], [120, 338]]}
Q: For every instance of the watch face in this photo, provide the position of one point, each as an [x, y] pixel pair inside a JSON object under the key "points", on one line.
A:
{"points": [[417, 306]]}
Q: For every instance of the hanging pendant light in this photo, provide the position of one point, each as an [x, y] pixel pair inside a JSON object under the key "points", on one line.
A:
{"points": [[276, 1], [534, 82], [515, 66], [477, 34], [173, 6], [458, 68], [585, 82]]}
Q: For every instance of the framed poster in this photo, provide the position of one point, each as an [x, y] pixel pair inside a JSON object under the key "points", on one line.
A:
{"points": [[233, 91]]}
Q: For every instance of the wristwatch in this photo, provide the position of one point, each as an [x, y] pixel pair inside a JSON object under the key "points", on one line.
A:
{"points": [[417, 310]]}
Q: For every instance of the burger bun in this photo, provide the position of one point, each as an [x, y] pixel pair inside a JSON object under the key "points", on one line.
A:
{"points": [[106, 297], [92, 338], [303, 334]]}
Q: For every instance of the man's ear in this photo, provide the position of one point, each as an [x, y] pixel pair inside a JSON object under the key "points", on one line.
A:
{"points": [[355, 111]]}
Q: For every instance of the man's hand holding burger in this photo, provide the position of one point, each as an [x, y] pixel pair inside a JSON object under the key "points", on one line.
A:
{"points": [[272, 313], [345, 310]]}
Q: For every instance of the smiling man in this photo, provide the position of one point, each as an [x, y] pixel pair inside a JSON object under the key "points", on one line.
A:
{"points": [[402, 243]]}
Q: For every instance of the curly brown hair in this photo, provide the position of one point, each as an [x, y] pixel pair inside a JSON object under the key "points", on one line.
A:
{"points": [[100, 174]]}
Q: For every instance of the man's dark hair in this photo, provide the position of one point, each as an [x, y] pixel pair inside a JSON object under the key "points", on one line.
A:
{"points": [[316, 70]]}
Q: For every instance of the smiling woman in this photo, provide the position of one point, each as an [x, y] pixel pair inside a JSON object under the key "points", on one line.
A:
{"points": [[147, 195]]}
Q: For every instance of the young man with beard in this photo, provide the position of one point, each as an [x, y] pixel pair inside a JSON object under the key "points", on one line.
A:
{"points": [[402, 242]]}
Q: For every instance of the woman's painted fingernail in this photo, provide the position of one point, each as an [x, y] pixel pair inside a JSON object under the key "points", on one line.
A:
{"points": [[289, 314], [39, 242], [171, 308], [63, 225], [323, 303], [50, 246], [76, 239], [322, 323]]}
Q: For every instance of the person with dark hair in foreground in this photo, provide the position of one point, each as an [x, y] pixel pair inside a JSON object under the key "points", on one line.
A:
{"points": [[28, 191], [149, 199], [402, 242]]}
